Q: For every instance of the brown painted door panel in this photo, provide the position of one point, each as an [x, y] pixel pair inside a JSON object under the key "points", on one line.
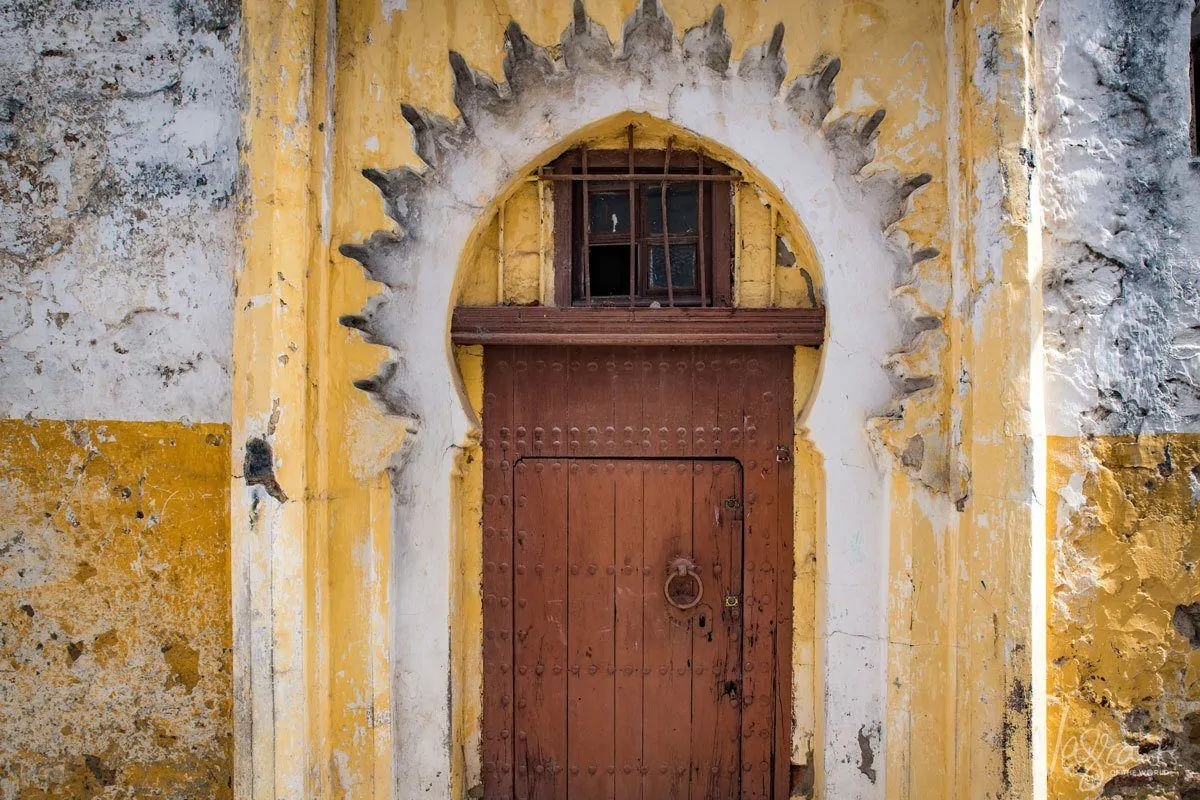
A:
{"points": [[626, 695], [606, 470]]}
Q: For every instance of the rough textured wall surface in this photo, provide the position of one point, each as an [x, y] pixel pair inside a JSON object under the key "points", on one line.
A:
{"points": [[118, 169], [1122, 295], [1124, 648], [118, 162], [115, 638], [1122, 239]]}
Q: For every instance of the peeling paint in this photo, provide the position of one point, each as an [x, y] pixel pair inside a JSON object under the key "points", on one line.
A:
{"points": [[114, 625]]}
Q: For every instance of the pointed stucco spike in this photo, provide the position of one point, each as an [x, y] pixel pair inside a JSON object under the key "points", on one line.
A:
{"points": [[775, 47], [870, 128], [851, 138], [387, 371], [525, 63], [475, 93], [811, 96], [709, 43], [765, 63], [889, 191], [354, 321], [434, 136], [648, 35], [399, 187], [585, 41], [906, 370], [382, 258], [915, 182], [915, 311], [363, 324], [387, 389], [924, 254], [370, 322]]}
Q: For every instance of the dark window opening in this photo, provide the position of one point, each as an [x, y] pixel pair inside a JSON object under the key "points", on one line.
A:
{"points": [[610, 270], [642, 227]]}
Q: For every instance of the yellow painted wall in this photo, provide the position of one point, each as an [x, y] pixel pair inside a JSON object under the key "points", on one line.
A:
{"points": [[1124, 682], [115, 638], [893, 55], [898, 55]]}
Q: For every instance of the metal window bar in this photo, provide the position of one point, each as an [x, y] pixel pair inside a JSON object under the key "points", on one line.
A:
{"points": [[702, 244], [641, 177], [632, 178], [587, 224], [632, 227], [666, 234]]}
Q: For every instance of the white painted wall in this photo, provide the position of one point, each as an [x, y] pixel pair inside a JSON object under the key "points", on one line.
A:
{"points": [[118, 165], [1122, 234]]}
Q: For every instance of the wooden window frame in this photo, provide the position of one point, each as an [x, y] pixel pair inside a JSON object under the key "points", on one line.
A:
{"points": [[716, 282]]}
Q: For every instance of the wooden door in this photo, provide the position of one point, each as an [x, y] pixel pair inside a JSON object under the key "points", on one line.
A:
{"points": [[628, 628], [618, 485]]}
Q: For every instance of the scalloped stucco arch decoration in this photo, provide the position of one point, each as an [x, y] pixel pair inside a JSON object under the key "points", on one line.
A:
{"points": [[881, 349]]}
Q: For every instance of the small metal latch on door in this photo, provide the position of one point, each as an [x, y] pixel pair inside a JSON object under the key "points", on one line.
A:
{"points": [[734, 506], [731, 600], [783, 454]]}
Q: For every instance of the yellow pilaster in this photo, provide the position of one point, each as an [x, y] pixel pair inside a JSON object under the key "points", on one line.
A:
{"points": [[996, 292], [277, 735]]}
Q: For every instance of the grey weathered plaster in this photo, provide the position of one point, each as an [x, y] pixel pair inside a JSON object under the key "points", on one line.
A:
{"points": [[1122, 208], [118, 162]]}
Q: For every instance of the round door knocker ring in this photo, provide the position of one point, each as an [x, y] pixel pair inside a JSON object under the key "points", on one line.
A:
{"points": [[683, 587]]}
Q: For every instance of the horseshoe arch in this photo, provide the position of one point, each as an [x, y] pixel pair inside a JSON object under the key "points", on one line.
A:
{"points": [[882, 340]]}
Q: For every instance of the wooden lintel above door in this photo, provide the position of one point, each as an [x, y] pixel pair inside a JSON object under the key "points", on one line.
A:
{"points": [[518, 325]]}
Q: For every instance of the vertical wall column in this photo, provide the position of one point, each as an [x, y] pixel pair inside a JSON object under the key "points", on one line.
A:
{"points": [[278, 685], [312, 513], [997, 299]]}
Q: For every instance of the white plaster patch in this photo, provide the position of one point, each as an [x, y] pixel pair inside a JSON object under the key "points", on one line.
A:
{"points": [[118, 238], [1122, 229], [390, 7]]}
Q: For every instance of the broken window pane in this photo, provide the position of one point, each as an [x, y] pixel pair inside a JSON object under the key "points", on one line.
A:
{"points": [[682, 205], [683, 266], [609, 268]]}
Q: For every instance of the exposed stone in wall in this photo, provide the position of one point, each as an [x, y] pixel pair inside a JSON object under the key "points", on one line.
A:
{"points": [[115, 636], [1122, 241], [118, 164]]}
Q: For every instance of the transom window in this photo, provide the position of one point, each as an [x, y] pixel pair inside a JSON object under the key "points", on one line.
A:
{"points": [[642, 227]]}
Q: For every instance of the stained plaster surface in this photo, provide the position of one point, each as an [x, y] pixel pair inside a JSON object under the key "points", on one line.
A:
{"points": [[1122, 238], [118, 167], [118, 163], [1122, 314], [115, 636]]}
